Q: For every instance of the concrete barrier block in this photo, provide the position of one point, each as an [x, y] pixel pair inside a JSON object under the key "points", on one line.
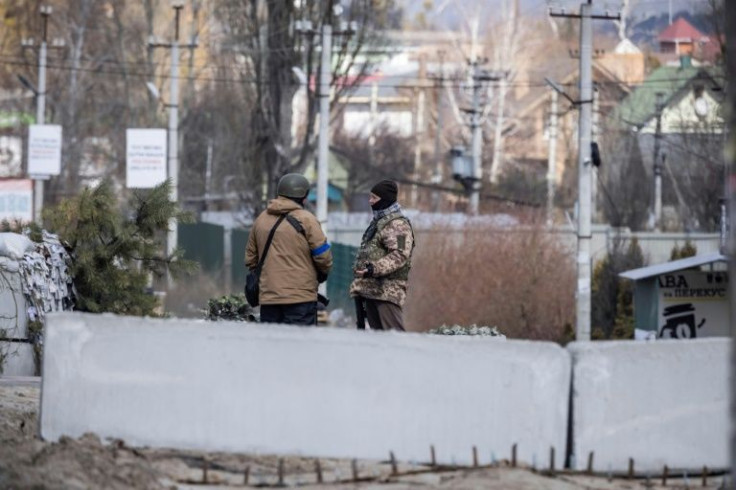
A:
{"points": [[660, 403], [17, 358], [309, 391]]}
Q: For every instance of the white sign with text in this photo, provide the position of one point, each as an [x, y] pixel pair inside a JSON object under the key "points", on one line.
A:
{"points": [[145, 158], [44, 150], [693, 304]]}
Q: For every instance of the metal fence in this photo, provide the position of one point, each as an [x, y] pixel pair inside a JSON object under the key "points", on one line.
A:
{"points": [[341, 276], [221, 251]]}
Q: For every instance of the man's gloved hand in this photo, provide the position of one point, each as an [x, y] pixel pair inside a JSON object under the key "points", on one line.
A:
{"points": [[321, 277], [368, 270]]}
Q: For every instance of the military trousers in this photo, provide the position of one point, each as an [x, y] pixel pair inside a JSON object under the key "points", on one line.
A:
{"points": [[383, 315], [290, 314]]}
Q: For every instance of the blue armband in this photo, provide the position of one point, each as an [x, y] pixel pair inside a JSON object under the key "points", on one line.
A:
{"points": [[321, 249]]}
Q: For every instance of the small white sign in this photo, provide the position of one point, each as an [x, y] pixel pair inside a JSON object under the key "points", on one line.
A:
{"points": [[16, 200], [44, 149], [693, 304], [145, 158]]}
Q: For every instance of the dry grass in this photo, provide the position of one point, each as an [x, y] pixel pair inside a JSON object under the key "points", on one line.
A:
{"points": [[518, 279]]}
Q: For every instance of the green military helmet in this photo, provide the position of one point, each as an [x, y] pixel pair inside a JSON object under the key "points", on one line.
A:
{"points": [[293, 185]]}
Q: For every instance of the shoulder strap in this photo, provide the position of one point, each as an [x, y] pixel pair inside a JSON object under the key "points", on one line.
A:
{"points": [[296, 224], [270, 239]]}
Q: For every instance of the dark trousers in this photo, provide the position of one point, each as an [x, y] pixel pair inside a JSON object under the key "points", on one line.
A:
{"points": [[292, 314], [383, 315]]}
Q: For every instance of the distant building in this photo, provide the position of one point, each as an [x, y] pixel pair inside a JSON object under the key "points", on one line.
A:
{"points": [[676, 116], [681, 38]]}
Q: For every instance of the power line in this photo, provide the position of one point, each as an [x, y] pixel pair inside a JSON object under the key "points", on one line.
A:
{"points": [[459, 83]]}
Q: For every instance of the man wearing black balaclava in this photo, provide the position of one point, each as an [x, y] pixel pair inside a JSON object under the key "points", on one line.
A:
{"points": [[382, 266]]}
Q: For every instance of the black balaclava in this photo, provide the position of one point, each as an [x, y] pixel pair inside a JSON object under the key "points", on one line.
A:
{"points": [[387, 190]]}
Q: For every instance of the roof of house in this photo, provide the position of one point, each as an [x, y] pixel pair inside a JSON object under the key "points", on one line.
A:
{"points": [[626, 47], [680, 30], [564, 75], [673, 266], [641, 105]]}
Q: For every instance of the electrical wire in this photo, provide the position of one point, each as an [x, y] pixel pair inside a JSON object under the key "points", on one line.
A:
{"points": [[459, 82]]}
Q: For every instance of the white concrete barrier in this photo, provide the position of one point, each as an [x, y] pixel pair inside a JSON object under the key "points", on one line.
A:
{"points": [[319, 392], [660, 403]]}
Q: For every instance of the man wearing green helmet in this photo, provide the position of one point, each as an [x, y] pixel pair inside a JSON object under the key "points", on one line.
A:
{"points": [[298, 257]]}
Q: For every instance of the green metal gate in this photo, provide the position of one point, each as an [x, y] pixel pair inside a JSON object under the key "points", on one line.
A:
{"points": [[203, 243], [341, 276]]}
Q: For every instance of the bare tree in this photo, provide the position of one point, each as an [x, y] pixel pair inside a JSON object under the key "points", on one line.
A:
{"points": [[625, 191], [262, 32], [389, 156]]}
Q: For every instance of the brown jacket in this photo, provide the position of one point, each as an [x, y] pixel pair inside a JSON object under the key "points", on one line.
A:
{"points": [[289, 274]]}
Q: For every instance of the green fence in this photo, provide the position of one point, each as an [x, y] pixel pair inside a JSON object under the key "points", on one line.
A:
{"points": [[341, 276], [203, 243]]}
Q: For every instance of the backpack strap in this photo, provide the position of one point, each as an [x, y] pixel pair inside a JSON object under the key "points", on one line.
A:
{"points": [[296, 224], [268, 242]]}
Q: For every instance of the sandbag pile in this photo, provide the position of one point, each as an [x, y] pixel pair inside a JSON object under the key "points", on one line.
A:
{"points": [[43, 270]]}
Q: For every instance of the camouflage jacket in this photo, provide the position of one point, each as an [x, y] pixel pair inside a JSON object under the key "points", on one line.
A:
{"points": [[389, 251]]}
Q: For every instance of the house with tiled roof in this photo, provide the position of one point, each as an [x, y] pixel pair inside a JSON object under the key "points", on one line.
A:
{"points": [[677, 119], [681, 38]]}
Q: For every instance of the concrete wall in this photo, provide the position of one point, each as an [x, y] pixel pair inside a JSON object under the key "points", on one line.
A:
{"points": [[17, 359], [319, 392], [663, 402], [13, 314], [344, 393]]}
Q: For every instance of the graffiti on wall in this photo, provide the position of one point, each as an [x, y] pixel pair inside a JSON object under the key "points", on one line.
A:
{"points": [[693, 304]]}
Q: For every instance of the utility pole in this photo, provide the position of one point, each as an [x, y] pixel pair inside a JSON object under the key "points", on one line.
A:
{"points": [[658, 165], [552, 158], [477, 141], [418, 130], [324, 124], [440, 85], [595, 132], [323, 142], [38, 180], [583, 303], [479, 77], [173, 129], [498, 132]]}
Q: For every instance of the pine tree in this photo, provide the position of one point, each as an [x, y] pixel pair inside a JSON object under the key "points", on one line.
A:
{"points": [[612, 300], [114, 250], [687, 250]]}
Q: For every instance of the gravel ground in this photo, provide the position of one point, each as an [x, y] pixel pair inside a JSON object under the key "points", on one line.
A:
{"points": [[27, 462]]}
